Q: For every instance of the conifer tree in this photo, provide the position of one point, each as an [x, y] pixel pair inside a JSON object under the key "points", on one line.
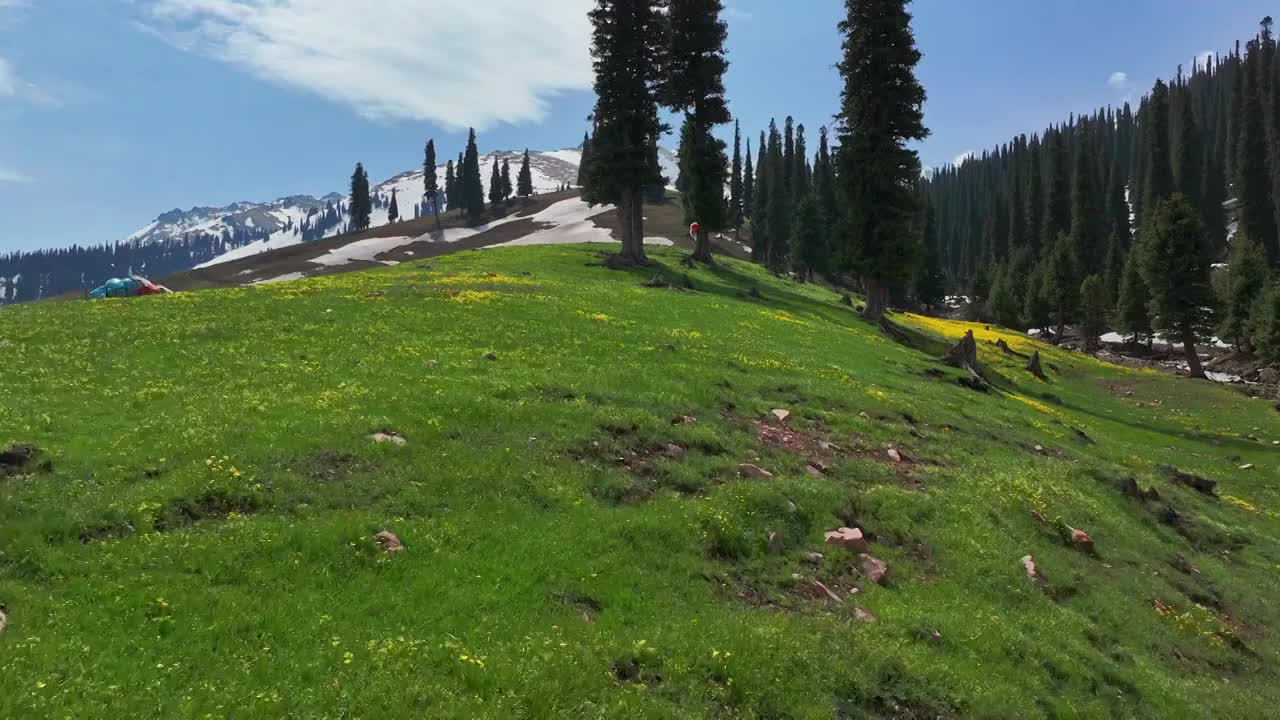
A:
{"points": [[695, 65], [1132, 316], [1264, 323], [393, 210], [1176, 265], [628, 51], [1088, 228], [1036, 309], [507, 188], [1033, 212], [1158, 182], [760, 204], [789, 157], [800, 181], [360, 205], [432, 187], [1245, 282], [1119, 226], [1003, 306], [495, 183], [778, 227], [735, 178], [584, 163], [931, 284], [1093, 310], [451, 199], [881, 112], [1253, 183], [472, 186], [748, 184], [1062, 284], [826, 193], [808, 251], [524, 182], [1057, 192], [1189, 157], [1113, 267]]}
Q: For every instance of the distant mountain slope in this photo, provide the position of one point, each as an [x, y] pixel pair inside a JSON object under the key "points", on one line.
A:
{"points": [[179, 240]]}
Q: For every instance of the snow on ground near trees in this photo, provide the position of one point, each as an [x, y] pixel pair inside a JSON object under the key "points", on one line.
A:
{"points": [[366, 250], [571, 221], [282, 278], [277, 241]]}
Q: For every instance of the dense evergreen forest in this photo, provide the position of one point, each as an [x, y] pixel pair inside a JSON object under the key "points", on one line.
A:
{"points": [[1154, 221], [1065, 226]]}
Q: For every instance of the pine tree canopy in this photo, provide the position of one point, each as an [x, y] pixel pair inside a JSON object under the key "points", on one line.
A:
{"points": [[881, 112]]}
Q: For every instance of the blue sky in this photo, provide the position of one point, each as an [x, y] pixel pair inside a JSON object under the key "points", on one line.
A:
{"points": [[113, 111]]}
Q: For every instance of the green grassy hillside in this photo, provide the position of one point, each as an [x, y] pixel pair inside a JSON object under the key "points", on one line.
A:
{"points": [[196, 537]]}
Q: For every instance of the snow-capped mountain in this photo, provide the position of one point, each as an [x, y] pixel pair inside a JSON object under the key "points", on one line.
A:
{"points": [[179, 240], [248, 228]]}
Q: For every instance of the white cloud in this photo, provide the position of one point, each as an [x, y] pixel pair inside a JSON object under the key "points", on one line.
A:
{"points": [[1202, 59], [1120, 81], [963, 157], [12, 176], [1122, 84], [456, 63]]}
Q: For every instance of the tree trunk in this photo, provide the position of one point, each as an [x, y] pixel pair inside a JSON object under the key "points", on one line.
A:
{"points": [[435, 205], [631, 220], [1057, 335], [875, 300], [1194, 369], [702, 246], [1033, 366]]}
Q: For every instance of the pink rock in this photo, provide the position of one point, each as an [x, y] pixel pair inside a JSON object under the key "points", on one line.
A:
{"points": [[863, 616], [827, 591], [1029, 564], [781, 414], [747, 470], [847, 537], [389, 541], [875, 570], [1081, 540], [894, 455]]}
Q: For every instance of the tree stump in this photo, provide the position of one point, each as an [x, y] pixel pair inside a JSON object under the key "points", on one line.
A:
{"points": [[1004, 347], [1034, 368], [963, 354]]}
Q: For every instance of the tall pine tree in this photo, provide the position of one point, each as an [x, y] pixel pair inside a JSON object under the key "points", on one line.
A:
{"points": [[1176, 265], [431, 184], [472, 186], [1253, 179], [495, 183], [696, 64], [584, 162], [735, 178], [881, 112], [451, 199], [524, 182], [748, 184], [360, 205], [628, 50]]}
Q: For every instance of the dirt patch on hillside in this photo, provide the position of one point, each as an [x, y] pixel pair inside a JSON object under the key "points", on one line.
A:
{"points": [[429, 248], [298, 258], [666, 220]]}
